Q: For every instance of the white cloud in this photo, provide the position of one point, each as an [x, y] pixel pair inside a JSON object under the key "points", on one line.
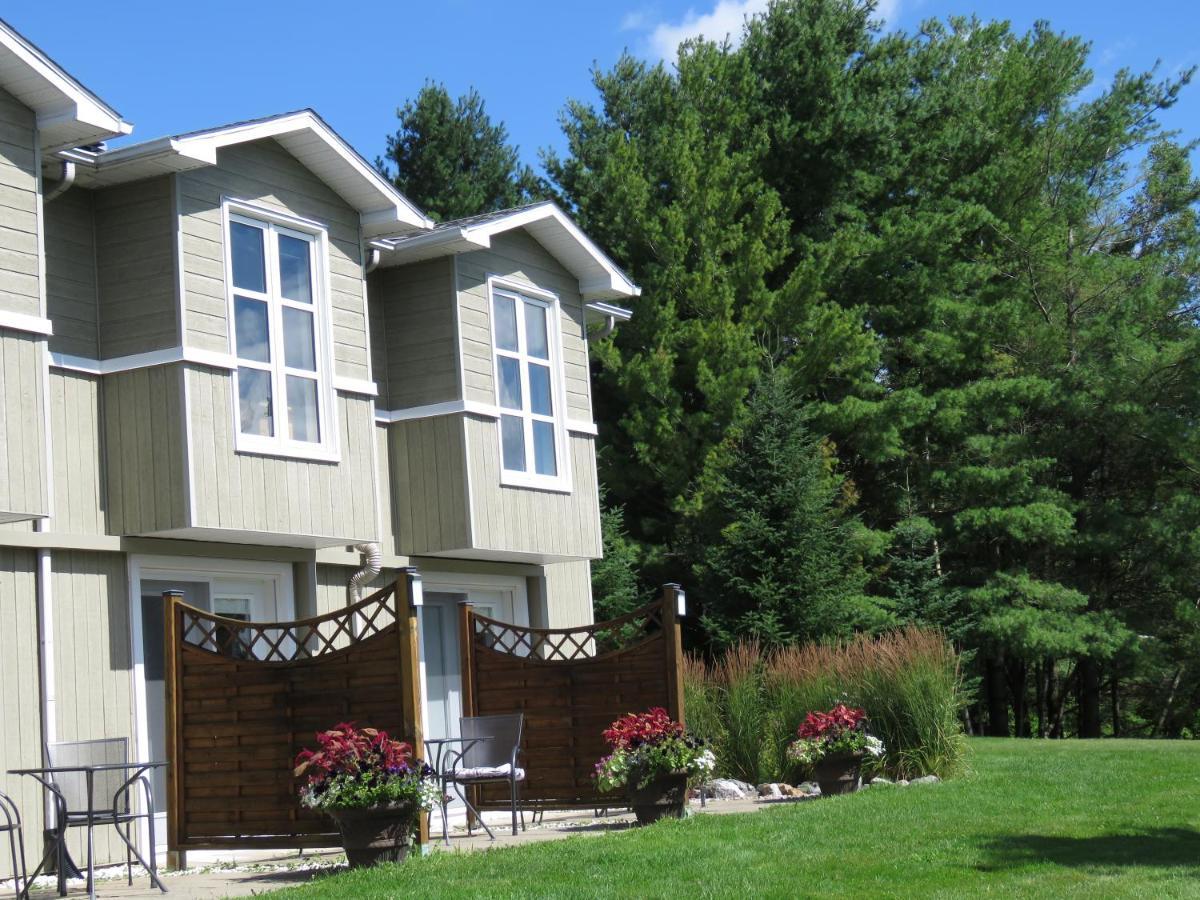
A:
{"points": [[725, 20]]}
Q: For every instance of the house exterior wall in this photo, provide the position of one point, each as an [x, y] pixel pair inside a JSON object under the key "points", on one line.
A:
{"points": [[78, 463], [569, 594], [331, 503], [20, 700], [135, 268], [417, 355], [24, 491], [520, 257], [429, 485], [93, 663], [146, 477], [265, 174], [20, 210], [509, 520], [71, 289]]}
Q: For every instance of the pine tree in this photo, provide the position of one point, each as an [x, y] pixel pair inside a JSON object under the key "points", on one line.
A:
{"points": [[451, 160], [777, 557]]}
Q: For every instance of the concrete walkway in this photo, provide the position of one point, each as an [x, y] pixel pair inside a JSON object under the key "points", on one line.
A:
{"points": [[243, 873]]}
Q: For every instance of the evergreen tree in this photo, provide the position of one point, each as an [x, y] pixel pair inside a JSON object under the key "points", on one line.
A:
{"points": [[777, 556], [450, 159], [615, 587]]}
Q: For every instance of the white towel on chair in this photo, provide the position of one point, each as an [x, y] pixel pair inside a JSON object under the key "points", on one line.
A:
{"points": [[480, 772]]}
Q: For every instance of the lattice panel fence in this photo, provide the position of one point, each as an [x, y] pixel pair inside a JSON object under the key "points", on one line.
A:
{"points": [[244, 697], [570, 684]]}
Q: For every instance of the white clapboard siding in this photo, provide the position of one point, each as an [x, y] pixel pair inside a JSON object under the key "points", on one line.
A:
{"points": [[71, 297], [135, 268], [20, 282], [263, 173], [416, 310], [518, 256], [20, 699], [23, 478], [277, 495], [93, 662], [80, 491]]}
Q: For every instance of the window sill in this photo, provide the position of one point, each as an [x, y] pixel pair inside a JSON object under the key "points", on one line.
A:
{"points": [[559, 485], [287, 451]]}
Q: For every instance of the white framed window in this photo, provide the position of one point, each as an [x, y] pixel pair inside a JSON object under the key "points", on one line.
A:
{"points": [[280, 330], [527, 350]]}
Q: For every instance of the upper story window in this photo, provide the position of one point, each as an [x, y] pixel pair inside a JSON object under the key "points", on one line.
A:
{"points": [[529, 388], [280, 321]]}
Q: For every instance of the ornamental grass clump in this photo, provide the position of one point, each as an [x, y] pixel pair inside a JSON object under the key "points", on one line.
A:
{"points": [[361, 768], [648, 745], [749, 702], [840, 732]]}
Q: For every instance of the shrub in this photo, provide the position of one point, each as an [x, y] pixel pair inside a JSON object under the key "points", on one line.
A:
{"points": [[749, 703]]}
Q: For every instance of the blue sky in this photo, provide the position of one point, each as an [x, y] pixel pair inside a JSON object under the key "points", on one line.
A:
{"points": [[168, 68]]}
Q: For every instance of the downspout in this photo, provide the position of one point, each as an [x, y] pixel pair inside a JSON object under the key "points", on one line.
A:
{"points": [[610, 324], [372, 564], [372, 260], [66, 179]]}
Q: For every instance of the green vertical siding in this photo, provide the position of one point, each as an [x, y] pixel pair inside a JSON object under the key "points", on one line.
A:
{"points": [[80, 488], [24, 492], [264, 173], [429, 485], [20, 278], [71, 294], [329, 502], [135, 268]]}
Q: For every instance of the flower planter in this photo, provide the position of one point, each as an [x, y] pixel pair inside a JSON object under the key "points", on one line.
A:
{"points": [[375, 834], [840, 774], [663, 798]]}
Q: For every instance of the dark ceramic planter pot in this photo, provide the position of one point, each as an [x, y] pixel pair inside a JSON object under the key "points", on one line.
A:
{"points": [[376, 834], [663, 798], [839, 774]]}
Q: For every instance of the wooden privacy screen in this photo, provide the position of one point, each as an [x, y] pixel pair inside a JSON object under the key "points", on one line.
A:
{"points": [[570, 683], [244, 697]]}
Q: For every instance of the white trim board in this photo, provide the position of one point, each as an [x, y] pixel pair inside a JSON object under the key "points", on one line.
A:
{"points": [[210, 358], [15, 321], [457, 407]]}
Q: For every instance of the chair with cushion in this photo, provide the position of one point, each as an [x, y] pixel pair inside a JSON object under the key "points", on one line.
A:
{"points": [[10, 824], [489, 756]]}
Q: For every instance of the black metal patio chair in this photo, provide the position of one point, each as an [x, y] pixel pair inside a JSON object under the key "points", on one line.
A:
{"points": [[10, 824], [100, 793], [490, 759]]}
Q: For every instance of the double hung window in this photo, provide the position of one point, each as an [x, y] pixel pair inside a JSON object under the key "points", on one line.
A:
{"points": [[282, 401], [528, 388]]}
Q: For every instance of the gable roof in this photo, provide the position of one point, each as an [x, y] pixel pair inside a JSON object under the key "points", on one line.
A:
{"points": [[599, 277], [68, 114], [303, 133]]}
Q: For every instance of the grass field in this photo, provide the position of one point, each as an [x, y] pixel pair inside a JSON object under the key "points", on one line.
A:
{"points": [[1031, 819]]}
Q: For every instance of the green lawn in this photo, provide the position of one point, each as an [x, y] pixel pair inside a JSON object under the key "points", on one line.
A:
{"points": [[1033, 819]]}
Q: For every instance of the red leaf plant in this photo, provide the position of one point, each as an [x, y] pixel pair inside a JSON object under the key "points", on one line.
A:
{"points": [[832, 724], [636, 729], [347, 750]]}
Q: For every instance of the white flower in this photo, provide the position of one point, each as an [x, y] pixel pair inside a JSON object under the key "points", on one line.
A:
{"points": [[874, 745]]}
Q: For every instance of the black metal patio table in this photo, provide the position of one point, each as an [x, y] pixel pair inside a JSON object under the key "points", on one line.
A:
{"points": [[66, 818]]}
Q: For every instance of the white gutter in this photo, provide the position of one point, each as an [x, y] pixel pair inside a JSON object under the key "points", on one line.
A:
{"points": [[64, 182]]}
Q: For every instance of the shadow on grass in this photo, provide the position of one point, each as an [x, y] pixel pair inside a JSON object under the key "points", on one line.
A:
{"points": [[1158, 847]]}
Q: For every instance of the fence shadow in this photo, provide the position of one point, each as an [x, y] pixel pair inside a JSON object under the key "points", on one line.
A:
{"points": [[1155, 847]]}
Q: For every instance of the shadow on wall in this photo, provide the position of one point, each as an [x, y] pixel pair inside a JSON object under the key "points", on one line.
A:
{"points": [[1158, 847]]}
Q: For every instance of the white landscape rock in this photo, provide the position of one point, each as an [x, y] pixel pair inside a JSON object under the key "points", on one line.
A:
{"points": [[728, 789], [770, 791], [926, 779]]}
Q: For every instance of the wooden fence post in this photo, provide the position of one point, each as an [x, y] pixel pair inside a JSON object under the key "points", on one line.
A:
{"points": [[172, 638], [409, 596], [673, 600]]}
